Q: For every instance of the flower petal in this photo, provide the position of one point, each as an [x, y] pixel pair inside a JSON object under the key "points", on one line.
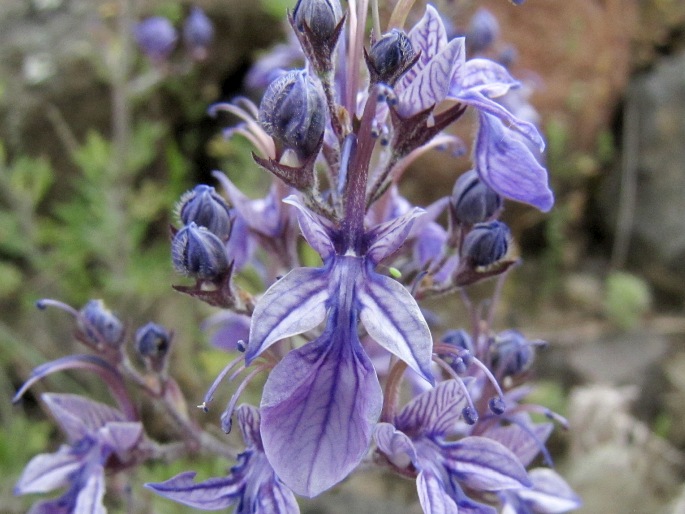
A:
{"points": [[89, 499], [431, 85], [393, 319], [48, 471], [212, 494], [315, 229], [525, 444], [396, 445], [508, 167], [486, 77], [428, 36], [318, 408], [121, 437], [432, 495], [248, 421], [434, 412], [292, 305], [484, 464], [386, 239], [550, 494], [79, 416]]}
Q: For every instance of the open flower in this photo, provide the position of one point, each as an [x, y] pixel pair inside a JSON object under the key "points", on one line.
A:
{"points": [[321, 401], [416, 444]]}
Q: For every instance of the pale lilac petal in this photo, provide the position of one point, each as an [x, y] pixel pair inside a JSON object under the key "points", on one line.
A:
{"points": [[212, 494], [525, 444], [79, 416], [487, 106], [292, 305], [428, 37], [431, 85], [48, 471], [229, 328], [484, 464], [393, 319], [386, 239], [432, 495], [550, 494], [315, 229], [273, 498], [121, 436], [508, 167], [430, 244], [89, 499], [434, 412], [240, 246], [486, 77], [396, 445], [249, 420], [319, 407]]}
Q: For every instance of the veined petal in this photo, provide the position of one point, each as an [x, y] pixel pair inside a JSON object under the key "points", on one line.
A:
{"points": [[550, 493], [292, 305], [484, 464], [433, 496], [318, 409], [272, 498], [89, 499], [249, 420], [121, 436], [212, 494], [48, 471], [431, 85], [525, 444], [396, 445], [393, 319], [428, 36], [434, 412], [386, 239], [315, 229], [79, 416], [508, 167], [486, 77]]}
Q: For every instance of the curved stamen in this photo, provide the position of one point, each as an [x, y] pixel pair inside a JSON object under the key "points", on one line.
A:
{"points": [[226, 422], [471, 408], [209, 395], [539, 409], [44, 303]]}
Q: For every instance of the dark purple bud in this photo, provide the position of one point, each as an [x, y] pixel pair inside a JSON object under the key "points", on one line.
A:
{"points": [[459, 338], [98, 325], [204, 207], [152, 344], [390, 57], [486, 243], [472, 201], [156, 37], [470, 415], [483, 31], [512, 353], [321, 16], [198, 253], [198, 33], [293, 112], [496, 405]]}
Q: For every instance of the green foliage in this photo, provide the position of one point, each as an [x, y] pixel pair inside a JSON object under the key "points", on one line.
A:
{"points": [[627, 299]]}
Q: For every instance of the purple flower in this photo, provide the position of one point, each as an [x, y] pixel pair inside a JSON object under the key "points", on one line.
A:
{"points": [[416, 444], [321, 401], [251, 484], [198, 33], [99, 437], [156, 37]]}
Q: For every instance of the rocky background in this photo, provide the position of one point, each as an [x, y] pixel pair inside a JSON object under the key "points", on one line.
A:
{"points": [[609, 260]]}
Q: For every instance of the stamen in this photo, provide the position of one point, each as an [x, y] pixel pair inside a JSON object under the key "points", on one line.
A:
{"points": [[469, 412], [543, 449], [209, 395], [44, 303], [226, 422]]}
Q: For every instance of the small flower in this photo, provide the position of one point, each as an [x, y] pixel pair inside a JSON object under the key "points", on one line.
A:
{"points": [[390, 57], [252, 486], [486, 243], [293, 112], [99, 325], [483, 31], [512, 353], [417, 444], [198, 253], [156, 37], [198, 33], [206, 208], [472, 201]]}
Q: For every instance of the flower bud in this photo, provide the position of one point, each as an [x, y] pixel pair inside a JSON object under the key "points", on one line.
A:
{"points": [[293, 112], [198, 33], [512, 353], [459, 338], [98, 325], [152, 345], [472, 201], [156, 37], [204, 207], [390, 57], [198, 253], [483, 31], [321, 16], [486, 243]]}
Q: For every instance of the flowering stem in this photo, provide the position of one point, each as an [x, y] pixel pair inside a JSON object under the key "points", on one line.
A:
{"points": [[392, 391]]}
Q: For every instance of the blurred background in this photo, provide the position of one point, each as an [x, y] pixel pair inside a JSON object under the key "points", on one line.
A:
{"points": [[98, 141]]}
